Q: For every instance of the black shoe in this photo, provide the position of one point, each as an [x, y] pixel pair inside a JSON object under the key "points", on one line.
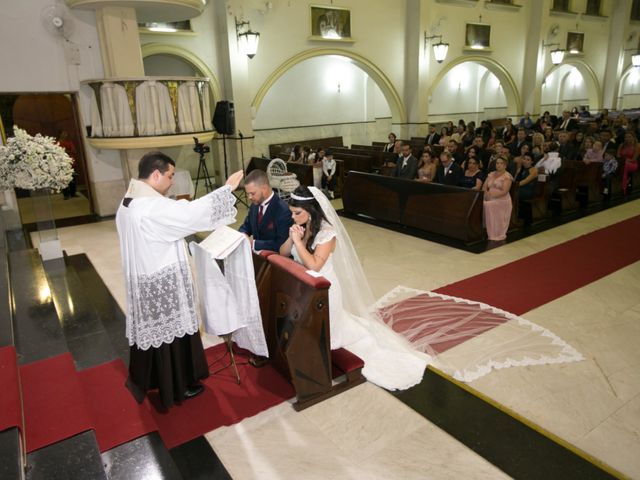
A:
{"points": [[258, 361], [193, 391]]}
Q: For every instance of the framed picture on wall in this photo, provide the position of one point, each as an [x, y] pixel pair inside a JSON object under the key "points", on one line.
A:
{"points": [[330, 23], [478, 36], [575, 42]]}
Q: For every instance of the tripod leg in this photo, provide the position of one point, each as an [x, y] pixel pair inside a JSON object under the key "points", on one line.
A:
{"points": [[227, 339]]}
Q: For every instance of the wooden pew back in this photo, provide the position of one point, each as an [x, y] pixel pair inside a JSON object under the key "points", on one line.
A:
{"points": [[295, 315], [450, 211]]}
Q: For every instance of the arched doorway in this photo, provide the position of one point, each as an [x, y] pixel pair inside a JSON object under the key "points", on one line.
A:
{"points": [[319, 94], [494, 85], [572, 83], [629, 90], [469, 91], [389, 92], [183, 59], [54, 115]]}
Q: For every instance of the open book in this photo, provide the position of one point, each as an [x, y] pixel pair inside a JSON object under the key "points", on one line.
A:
{"points": [[222, 241]]}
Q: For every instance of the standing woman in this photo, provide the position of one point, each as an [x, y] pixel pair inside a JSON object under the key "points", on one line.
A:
{"points": [[497, 202], [392, 140], [628, 153]]}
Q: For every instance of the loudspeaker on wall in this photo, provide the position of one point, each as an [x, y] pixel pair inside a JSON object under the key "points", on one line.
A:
{"points": [[224, 118]]}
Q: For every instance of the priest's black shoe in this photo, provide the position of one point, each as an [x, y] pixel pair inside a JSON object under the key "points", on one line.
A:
{"points": [[193, 391]]}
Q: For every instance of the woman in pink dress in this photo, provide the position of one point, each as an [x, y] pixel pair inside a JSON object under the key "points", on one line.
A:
{"points": [[497, 201], [628, 153]]}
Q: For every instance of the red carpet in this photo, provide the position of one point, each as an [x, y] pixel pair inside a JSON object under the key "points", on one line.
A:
{"points": [[54, 405], [528, 283], [10, 408], [223, 402], [117, 417]]}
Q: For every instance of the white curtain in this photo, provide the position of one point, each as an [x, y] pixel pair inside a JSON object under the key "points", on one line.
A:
{"points": [[189, 112], [154, 114], [116, 114]]}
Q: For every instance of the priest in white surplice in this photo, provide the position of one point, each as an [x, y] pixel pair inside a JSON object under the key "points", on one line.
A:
{"points": [[162, 321]]}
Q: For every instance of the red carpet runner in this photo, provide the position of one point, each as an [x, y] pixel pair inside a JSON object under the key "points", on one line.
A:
{"points": [[54, 404], [60, 402], [117, 417], [54, 393], [538, 279], [223, 402]]}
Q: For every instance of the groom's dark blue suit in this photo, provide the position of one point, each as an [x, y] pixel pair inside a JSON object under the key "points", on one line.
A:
{"points": [[273, 230]]}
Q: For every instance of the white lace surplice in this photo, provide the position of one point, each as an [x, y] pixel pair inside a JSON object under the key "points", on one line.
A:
{"points": [[389, 361], [160, 294]]}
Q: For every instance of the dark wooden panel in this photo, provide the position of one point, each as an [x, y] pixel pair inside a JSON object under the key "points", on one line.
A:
{"points": [[450, 211]]}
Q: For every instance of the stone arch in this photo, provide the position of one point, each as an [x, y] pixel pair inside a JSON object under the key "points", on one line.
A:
{"points": [[619, 100], [195, 61], [591, 81], [398, 111], [514, 104]]}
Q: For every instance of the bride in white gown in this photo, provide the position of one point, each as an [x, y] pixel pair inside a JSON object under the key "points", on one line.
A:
{"points": [[319, 241]]}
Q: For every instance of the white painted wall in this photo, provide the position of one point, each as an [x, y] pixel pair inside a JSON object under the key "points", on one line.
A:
{"points": [[159, 65], [318, 91], [564, 88], [630, 91], [467, 91]]}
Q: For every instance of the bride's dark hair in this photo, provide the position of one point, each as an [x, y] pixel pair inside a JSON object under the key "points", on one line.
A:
{"points": [[312, 207]]}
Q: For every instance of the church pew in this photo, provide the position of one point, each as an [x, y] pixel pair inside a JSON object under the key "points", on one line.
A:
{"points": [[453, 212], [295, 314], [276, 148], [589, 181]]}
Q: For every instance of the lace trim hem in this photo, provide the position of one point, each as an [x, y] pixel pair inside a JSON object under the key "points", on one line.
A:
{"points": [[567, 353]]}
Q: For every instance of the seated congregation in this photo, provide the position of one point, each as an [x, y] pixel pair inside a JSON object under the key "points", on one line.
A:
{"points": [[525, 171]]}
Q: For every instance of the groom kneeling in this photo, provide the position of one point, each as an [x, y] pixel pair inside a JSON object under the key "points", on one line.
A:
{"points": [[267, 224], [269, 218]]}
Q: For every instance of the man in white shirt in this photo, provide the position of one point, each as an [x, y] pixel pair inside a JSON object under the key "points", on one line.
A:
{"points": [[329, 169], [162, 322]]}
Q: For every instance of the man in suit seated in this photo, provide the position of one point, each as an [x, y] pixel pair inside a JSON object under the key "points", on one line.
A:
{"points": [[567, 123], [448, 172], [407, 165], [454, 150], [269, 219], [516, 145]]}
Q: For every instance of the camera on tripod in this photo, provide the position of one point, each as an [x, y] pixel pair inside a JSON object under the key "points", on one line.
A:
{"points": [[200, 148]]}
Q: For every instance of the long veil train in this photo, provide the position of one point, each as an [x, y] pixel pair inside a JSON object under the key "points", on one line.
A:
{"points": [[407, 329]]}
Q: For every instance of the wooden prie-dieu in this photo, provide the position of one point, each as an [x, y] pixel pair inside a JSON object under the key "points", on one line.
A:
{"points": [[295, 315]]}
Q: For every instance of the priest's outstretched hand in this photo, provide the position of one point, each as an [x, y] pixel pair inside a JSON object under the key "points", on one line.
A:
{"points": [[234, 179]]}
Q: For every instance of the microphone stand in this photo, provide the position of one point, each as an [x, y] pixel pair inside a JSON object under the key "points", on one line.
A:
{"points": [[242, 196]]}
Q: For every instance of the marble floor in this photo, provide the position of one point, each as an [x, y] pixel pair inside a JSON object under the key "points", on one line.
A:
{"points": [[367, 433]]}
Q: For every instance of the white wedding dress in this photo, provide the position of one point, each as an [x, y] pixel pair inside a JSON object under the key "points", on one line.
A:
{"points": [[390, 361]]}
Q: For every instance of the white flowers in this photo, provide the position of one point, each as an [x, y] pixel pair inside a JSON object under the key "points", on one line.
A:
{"points": [[34, 163]]}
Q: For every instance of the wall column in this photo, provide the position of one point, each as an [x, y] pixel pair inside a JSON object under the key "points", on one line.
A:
{"points": [[233, 66], [534, 62], [615, 53], [119, 42], [415, 72]]}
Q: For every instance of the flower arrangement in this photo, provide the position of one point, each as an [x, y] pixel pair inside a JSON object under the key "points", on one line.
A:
{"points": [[34, 163]]}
